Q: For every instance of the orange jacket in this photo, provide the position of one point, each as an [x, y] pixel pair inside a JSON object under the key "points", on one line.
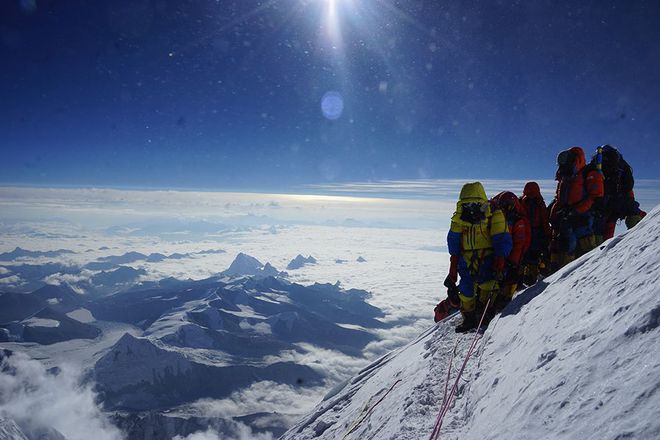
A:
{"points": [[579, 190], [521, 233]]}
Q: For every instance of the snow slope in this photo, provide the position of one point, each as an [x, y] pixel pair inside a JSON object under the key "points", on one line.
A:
{"points": [[575, 356], [9, 430]]}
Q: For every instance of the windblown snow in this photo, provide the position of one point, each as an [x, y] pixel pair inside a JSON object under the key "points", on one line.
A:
{"points": [[575, 356]]}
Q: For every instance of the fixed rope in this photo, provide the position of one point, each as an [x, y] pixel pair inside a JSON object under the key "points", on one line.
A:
{"points": [[357, 423], [447, 402], [451, 362]]}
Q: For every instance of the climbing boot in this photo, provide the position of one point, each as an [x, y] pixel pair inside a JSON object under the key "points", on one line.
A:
{"points": [[469, 322]]}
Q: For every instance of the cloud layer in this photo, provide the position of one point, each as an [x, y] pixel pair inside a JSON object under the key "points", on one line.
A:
{"points": [[38, 400]]}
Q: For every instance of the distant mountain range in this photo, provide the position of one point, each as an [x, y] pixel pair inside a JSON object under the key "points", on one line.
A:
{"points": [[22, 253], [106, 275], [199, 339]]}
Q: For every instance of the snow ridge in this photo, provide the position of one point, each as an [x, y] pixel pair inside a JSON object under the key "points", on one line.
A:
{"points": [[575, 356]]}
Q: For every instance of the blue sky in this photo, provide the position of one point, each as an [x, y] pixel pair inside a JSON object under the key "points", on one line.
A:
{"points": [[226, 95]]}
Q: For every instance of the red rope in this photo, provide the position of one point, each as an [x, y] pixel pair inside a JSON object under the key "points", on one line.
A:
{"points": [[445, 405]]}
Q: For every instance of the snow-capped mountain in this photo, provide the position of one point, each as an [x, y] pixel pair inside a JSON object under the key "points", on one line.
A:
{"points": [[246, 265], [158, 348], [213, 338], [61, 298], [300, 261], [142, 374], [41, 316], [575, 356]]}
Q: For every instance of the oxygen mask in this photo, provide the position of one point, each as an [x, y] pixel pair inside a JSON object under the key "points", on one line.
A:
{"points": [[473, 212]]}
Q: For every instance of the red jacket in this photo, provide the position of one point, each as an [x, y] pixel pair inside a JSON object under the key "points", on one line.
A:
{"points": [[517, 222], [521, 232], [536, 210]]}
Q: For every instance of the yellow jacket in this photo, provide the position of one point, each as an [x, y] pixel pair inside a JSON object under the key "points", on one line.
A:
{"points": [[491, 233]]}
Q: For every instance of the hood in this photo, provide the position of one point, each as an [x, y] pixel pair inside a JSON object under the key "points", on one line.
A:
{"points": [[473, 192], [570, 162], [532, 190], [580, 162], [509, 203]]}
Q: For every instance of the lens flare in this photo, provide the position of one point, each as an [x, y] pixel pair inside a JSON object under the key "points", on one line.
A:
{"points": [[332, 105]]}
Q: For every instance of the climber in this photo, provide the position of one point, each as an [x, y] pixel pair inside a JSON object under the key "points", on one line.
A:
{"points": [[521, 235], [619, 201], [537, 259], [571, 216], [478, 244]]}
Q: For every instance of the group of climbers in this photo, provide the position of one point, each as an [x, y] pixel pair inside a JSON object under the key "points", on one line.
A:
{"points": [[497, 246]]}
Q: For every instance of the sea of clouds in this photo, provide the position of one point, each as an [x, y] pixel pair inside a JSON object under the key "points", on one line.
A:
{"points": [[399, 228]]}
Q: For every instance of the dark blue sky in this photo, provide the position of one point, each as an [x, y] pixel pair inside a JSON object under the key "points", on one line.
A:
{"points": [[227, 94]]}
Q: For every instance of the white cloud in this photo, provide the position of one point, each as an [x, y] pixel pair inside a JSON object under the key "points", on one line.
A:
{"points": [[200, 435], [446, 189], [37, 399], [109, 207], [11, 280], [265, 396], [260, 327], [240, 432], [334, 366], [60, 278]]}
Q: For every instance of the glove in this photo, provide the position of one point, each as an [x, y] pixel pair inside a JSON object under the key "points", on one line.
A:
{"points": [[452, 277], [452, 295], [498, 267]]}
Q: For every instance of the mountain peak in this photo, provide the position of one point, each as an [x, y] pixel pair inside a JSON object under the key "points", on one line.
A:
{"points": [[300, 261], [245, 264]]}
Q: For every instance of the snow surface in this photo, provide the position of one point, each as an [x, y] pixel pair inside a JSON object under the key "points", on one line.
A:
{"points": [[41, 322], [81, 315], [9, 430], [575, 356], [80, 352]]}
